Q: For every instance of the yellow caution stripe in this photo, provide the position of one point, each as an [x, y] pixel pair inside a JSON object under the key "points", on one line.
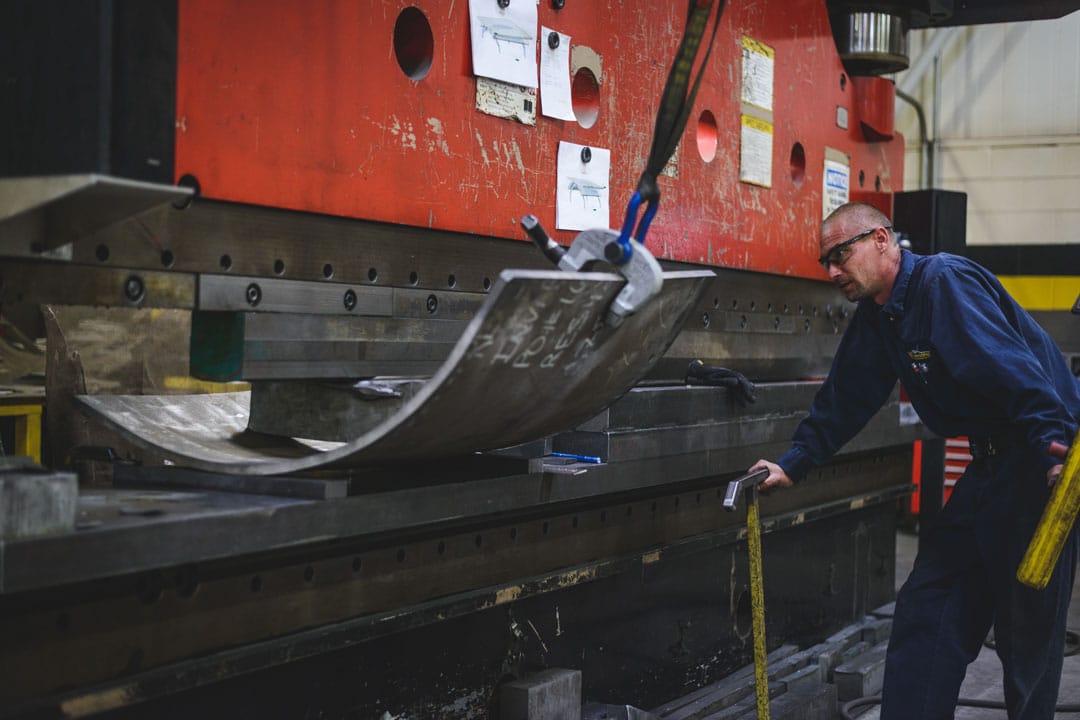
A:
{"points": [[1043, 292]]}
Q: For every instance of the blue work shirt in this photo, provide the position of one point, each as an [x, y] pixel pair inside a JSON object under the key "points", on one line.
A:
{"points": [[972, 361]]}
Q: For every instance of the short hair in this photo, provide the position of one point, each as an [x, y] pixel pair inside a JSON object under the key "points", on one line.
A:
{"points": [[859, 211]]}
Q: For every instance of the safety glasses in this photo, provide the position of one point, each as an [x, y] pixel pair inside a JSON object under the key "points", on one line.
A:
{"points": [[840, 252]]}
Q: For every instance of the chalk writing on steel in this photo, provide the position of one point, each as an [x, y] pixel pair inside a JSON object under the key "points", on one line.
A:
{"points": [[530, 339]]}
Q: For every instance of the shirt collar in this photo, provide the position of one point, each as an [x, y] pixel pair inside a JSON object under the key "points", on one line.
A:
{"points": [[895, 304]]}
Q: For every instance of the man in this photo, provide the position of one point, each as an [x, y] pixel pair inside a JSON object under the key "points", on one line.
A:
{"points": [[973, 363]]}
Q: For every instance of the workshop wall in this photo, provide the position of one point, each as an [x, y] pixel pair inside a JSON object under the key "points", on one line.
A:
{"points": [[1009, 128]]}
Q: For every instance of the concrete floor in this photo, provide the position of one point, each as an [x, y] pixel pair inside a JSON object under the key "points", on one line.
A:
{"points": [[983, 681]]}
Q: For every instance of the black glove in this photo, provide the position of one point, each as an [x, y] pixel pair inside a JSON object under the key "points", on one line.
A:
{"points": [[699, 373]]}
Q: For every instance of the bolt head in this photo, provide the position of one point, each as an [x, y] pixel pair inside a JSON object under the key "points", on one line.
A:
{"points": [[134, 289]]}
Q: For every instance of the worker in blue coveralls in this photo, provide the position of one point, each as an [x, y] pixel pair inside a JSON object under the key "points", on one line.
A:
{"points": [[973, 363]]}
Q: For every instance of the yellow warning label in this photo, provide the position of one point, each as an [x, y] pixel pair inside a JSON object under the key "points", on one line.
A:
{"points": [[757, 124], [758, 69], [755, 152], [758, 47]]}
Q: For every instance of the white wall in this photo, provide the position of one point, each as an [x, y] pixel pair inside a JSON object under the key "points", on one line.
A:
{"points": [[1009, 128]]}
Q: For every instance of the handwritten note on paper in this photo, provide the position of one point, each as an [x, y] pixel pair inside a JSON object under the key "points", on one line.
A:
{"points": [[555, 99], [582, 178], [504, 41]]}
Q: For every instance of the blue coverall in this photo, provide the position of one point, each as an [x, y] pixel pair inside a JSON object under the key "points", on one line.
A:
{"points": [[973, 363]]}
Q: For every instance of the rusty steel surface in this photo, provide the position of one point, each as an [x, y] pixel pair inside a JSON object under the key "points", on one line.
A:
{"points": [[769, 327], [334, 125], [540, 334], [196, 608]]}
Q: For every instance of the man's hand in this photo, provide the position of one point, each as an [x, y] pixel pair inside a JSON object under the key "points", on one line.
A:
{"points": [[777, 476], [1053, 474]]}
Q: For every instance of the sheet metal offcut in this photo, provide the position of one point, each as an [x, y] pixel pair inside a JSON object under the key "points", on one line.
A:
{"points": [[537, 358]]}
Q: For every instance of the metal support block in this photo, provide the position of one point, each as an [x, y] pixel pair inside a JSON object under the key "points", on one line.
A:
{"points": [[863, 675], [836, 649], [552, 694], [736, 690], [816, 702], [807, 677], [885, 612], [35, 501], [877, 630]]}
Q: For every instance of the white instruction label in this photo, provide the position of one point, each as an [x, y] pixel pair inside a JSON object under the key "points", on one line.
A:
{"points": [[758, 67], [755, 153]]}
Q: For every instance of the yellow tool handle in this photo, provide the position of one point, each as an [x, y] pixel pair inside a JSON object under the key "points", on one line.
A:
{"points": [[1054, 525], [757, 605]]}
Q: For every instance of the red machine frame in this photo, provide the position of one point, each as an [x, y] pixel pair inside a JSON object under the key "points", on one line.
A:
{"points": [[304, 106]]}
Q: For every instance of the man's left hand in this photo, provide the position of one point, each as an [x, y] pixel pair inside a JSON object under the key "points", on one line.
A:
{"points": [[1053, 474]]}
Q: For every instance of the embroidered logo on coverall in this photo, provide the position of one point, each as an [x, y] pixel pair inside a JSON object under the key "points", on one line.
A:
{"points": [[920, 363]]}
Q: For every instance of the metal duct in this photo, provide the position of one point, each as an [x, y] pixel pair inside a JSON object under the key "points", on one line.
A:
{"points": [[872, 43]]}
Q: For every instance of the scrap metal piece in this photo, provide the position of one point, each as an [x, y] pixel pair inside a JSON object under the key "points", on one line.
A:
{"points": [[35, 501], [41, 215], [537, 358]]}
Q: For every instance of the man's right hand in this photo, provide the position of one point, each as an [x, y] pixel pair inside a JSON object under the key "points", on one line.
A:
{"points": [[777, 476]]}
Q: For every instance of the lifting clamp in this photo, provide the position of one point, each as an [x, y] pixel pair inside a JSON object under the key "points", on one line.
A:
{"points": [[748, 485], [625, 249], [643, 274]]}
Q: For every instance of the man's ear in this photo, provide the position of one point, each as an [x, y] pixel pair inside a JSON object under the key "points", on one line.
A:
{"points": [[881, 239]]}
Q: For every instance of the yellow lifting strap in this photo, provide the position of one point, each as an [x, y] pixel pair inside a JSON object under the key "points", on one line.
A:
{"points": [[1055, 524]]}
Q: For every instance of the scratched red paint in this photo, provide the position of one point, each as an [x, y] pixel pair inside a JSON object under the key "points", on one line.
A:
{"points": [[303, 106]]}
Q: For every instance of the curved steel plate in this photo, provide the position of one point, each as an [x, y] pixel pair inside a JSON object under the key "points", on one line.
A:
{"points": [[536, 359]]}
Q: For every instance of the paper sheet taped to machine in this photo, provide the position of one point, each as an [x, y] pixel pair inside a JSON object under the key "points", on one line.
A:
{"points": [[504, 41]]}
